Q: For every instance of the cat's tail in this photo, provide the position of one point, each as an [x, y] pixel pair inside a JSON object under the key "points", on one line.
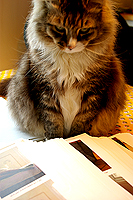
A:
{"points": [[4, 87]]}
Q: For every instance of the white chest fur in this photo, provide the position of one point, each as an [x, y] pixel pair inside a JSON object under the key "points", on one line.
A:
{"points": [[70, 104], [70, 67]]}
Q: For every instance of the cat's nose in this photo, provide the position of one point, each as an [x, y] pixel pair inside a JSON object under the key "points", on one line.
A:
{"points": [[72, 43], [70, 47]]}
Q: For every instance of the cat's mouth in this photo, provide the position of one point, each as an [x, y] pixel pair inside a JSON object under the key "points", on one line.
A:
{"points": [[75, 50], [73, 46]]}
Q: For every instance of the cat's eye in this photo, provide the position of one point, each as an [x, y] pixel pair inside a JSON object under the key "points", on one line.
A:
{"points": [[60, 29], [84, 30]]}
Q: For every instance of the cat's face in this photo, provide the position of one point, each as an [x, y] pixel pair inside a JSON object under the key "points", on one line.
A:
{"points": [[73, 25]]}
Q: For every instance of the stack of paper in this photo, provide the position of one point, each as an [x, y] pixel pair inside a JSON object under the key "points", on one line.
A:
{"points": [[79, 168]]}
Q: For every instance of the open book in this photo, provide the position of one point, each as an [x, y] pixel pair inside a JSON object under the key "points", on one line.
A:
{"points": [[79, 168]]}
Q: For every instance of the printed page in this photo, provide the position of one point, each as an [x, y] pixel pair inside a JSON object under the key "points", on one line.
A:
{"points": [[126, 139], [109, 156], [21, 179], [74, 176], [64, 173]]}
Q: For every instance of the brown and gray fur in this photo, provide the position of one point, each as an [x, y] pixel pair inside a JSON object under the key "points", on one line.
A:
{"points": [[69, 81]]}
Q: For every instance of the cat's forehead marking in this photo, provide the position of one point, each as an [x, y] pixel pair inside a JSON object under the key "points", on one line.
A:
{"points": [[68, 21], [90, 23], [71, 23], [74, 21]]}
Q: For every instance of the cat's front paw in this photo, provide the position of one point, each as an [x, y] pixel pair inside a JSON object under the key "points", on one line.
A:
{"points": [[77, 128], [80, 127], [53, 130]]}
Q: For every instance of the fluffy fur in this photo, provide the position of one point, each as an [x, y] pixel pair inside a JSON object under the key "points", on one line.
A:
{"points": [[69, 81]]}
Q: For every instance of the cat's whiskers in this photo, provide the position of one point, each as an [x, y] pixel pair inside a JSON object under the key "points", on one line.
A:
{"points": [[42, 59], [100, 42], [29, 71], [102, 57], [43, 55], [91, 58], [94, 56], [97, 53]]}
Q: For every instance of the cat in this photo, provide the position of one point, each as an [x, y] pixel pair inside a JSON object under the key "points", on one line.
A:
{"points": [[69, 81]]}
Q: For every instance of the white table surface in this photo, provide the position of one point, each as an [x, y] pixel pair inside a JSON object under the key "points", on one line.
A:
{"points": [[9, 132]]}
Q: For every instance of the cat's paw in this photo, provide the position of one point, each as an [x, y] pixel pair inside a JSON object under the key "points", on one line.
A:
{"points": [[77, 128], [53, 130]]}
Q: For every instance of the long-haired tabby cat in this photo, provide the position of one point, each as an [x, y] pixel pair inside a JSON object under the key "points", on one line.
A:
{"points": [[69, 81]]}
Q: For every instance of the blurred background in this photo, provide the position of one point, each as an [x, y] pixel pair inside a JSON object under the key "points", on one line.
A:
{"points": [[13, 15]]}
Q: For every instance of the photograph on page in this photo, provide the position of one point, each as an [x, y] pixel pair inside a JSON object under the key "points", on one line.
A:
{"points": [[101, 164]]}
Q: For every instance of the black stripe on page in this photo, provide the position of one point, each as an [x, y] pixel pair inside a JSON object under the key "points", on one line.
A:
{"points": [[122, 182], [124, 144], [90, 155]]}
